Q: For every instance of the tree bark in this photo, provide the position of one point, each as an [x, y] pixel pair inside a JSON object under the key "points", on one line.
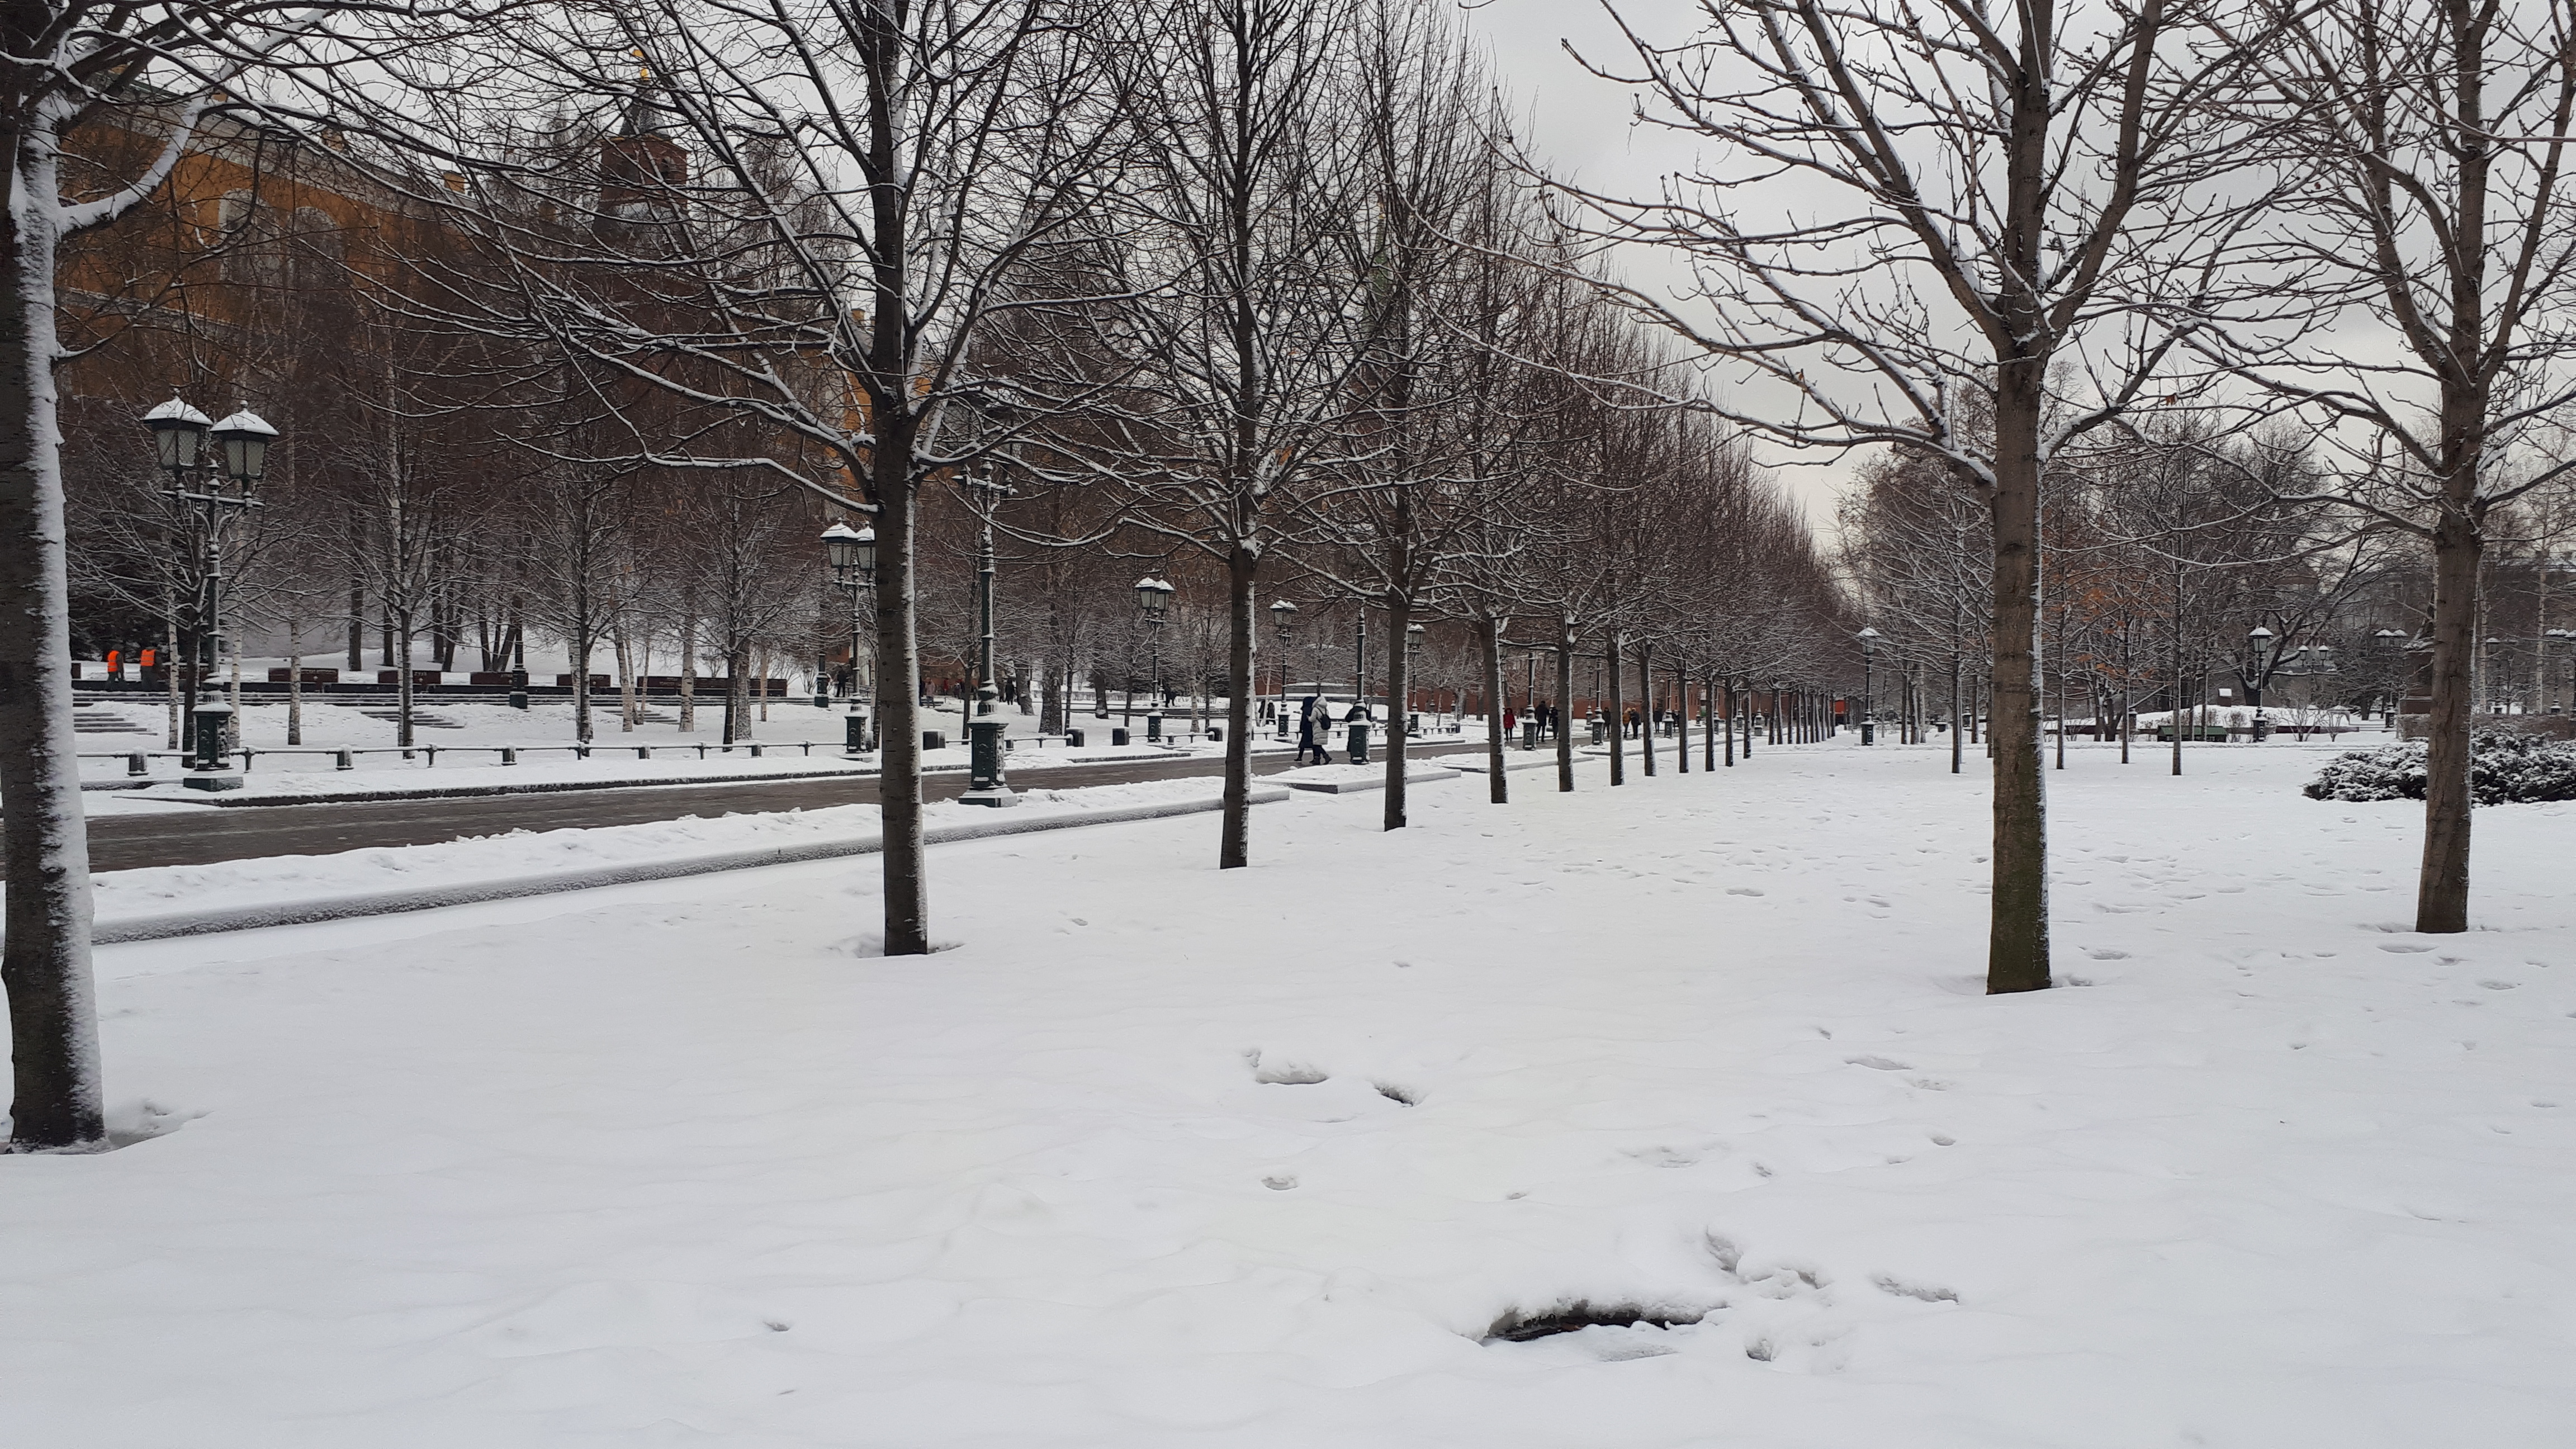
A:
{"points": [[1489, 639], [1564, 709], [1611, 657], [1234, 838], [1646, 706], [906, 868], [2017, 943], [1399, 686], [2442, 890], [57, 1092]]}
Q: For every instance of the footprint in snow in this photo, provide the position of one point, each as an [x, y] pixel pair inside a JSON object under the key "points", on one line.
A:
{"points": [[1742, 891], [1878, 1064]]}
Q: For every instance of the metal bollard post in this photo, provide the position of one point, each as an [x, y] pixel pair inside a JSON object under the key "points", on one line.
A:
{"points": [[433, 755], [348, 760], [138, 764], [509, 755], [643, 752]]}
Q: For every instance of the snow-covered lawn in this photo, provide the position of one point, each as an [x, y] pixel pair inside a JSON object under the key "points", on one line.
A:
{"points": [[1162, 1156]]}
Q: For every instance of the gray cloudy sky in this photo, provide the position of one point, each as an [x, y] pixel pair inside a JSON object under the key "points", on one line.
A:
{"points": [[1580, 125]]}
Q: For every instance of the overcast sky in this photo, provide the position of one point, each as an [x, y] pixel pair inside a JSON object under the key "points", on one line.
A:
{"points": [[1581, 125]]}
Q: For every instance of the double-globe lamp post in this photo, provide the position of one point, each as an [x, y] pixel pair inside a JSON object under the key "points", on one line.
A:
{"points": [[851, 555], [239, 461]]}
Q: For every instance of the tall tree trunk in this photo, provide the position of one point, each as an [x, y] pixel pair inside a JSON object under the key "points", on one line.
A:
{"points": [[1646, 706], [1681, 713], [402, 679], [1958, 724], [1399, 686], [357, 614], [625, 647], [57, 1093], [2442, 890], [580, 661], [1234, 831], [689, 662], [2017, 941], [1489, 641], [294, 679], [1611, 658], [906, 863], [1565, 708]]}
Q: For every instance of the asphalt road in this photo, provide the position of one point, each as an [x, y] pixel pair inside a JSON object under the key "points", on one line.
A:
{"points": [[199, 837]]}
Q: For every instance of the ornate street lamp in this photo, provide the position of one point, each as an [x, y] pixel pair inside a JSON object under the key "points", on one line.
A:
{"points": [[1283, 623], [1398, 709], [178, 435], [235, 464], [851, 556], [1868, 708], [2260, 645], [1153, 597]]}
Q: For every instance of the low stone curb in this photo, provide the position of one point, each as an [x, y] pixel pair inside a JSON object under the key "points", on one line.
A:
{"points": [[174, 924], [1413, 774]]}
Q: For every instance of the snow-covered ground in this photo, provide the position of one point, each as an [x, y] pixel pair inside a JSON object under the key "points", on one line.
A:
{"points": [[1155, 1155]]}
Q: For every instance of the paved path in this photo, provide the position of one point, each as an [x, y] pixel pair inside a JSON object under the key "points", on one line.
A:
{"points": [[198, 837]]}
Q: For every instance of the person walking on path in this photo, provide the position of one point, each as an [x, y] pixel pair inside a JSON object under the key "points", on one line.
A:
{"points": [[1311, 720]]}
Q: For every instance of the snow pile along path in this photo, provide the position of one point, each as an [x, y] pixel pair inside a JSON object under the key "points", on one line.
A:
{"points": [[1161, 1157], [163, 901]]}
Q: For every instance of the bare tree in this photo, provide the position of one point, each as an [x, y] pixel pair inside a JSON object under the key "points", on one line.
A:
{"points": [[784, 243], [1246, 326], [1978, 212], [155, 71], [2431, 207]]}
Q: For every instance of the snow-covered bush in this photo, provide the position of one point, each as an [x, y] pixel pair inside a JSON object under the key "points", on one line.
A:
{"points": [[2503, 770]]}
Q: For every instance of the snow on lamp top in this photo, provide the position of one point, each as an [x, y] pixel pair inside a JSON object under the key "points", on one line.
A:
{"points": [[178, 431], [244, 437]]}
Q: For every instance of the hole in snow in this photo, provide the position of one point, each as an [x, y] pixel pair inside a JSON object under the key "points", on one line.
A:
{"points": [[1520, 1327], [1397, 1094]]}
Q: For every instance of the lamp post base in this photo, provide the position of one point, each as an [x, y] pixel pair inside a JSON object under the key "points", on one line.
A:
{"points": [[985, 786]]}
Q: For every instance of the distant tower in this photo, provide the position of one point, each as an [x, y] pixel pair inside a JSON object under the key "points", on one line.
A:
{"points": [[641, 164]]}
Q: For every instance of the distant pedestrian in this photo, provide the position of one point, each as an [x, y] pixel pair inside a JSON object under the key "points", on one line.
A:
{"points": [[1312, 723], [1509, 722], [116, 665]]}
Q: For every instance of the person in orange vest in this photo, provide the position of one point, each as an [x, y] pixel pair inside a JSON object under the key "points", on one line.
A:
{"points": [[148, 657], [116, 664]]}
